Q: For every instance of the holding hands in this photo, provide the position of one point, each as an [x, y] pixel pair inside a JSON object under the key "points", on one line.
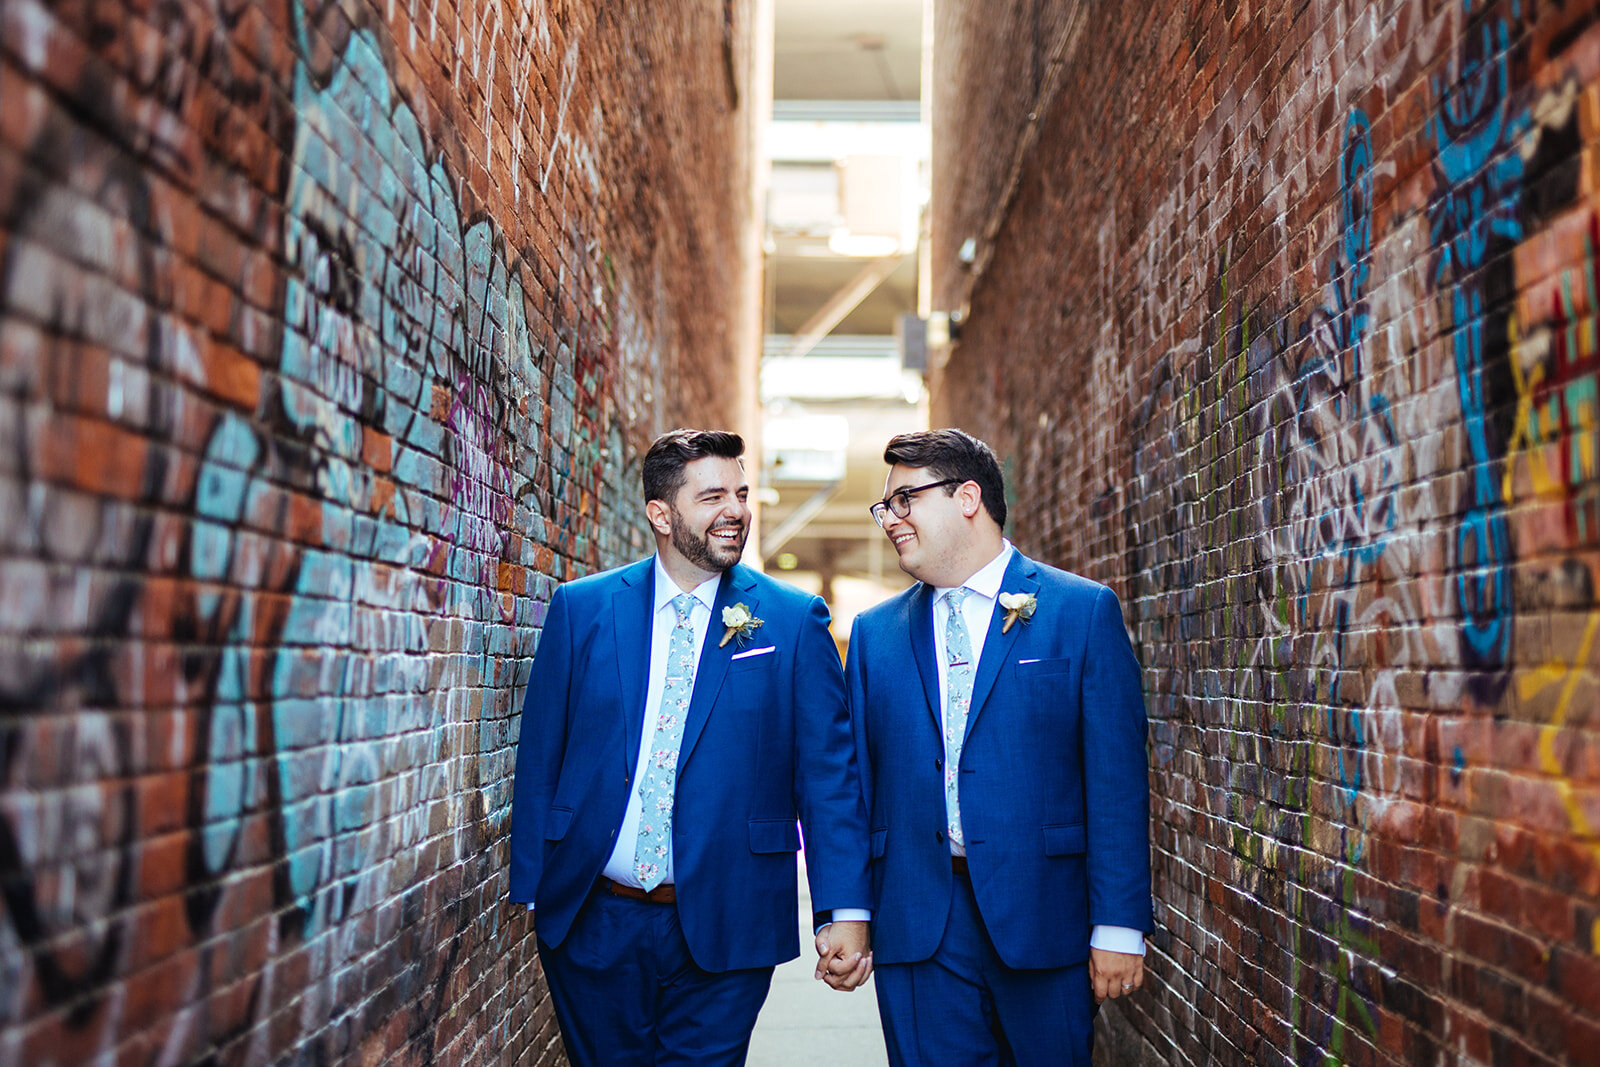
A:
{"points": [[1114, 974], [844, 957]]}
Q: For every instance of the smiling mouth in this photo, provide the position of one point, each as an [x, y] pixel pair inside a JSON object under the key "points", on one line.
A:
{"points": [[728, 533], [900, 539]]}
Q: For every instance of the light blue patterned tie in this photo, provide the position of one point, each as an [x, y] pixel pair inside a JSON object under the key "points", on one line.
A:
{"points": [[959, 670], [661, 771]]}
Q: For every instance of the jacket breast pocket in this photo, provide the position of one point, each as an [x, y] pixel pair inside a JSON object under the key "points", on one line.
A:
{"points": [[757, 661], [1030, 669], [774, 835]]}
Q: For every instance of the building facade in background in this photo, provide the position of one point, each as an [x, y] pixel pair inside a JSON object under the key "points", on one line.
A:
{"points": [[1283, 317], [330, 337]]}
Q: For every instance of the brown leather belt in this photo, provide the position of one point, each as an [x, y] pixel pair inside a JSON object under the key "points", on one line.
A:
{"points": [[959, 865], [661, 894]]}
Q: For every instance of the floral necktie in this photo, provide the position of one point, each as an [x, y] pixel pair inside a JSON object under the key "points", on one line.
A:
{"points": [[661, 771], [959, 670]]}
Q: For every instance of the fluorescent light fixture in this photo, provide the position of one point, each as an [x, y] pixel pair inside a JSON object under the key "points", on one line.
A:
{"points": [[864, 245]]}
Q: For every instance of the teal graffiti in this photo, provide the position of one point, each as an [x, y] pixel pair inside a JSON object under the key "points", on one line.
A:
{"points": [[1479, 173]]}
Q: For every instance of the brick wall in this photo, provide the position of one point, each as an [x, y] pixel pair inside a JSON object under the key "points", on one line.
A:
{"points": [[330, 336], [1284, 319]]}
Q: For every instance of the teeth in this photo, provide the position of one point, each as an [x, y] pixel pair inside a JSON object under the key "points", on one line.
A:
{"points": [[903, 538]]}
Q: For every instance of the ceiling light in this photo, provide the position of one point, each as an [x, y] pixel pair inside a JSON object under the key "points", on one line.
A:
{"points": [[864, 245]]}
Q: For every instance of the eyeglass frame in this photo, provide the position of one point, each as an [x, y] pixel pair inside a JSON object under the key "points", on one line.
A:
{"points": [[877, 510]]}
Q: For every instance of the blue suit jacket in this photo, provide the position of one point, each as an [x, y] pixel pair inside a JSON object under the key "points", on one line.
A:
{"points": [[767, 739], [1054, 782]]}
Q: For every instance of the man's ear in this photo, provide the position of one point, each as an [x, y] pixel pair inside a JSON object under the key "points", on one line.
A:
{"points": [[971, 498], [659, 516]]}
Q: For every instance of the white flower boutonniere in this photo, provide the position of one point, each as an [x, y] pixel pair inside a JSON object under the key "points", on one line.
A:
{"points": [[740, 623], [1018, 606]]}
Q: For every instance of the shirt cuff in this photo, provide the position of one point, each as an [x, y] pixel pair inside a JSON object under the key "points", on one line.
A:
{"points": [[1117, 939], [530, 907], [819, 919]]}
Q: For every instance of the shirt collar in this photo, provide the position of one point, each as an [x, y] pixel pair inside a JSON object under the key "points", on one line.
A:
{"points": [[986, 580], [666, 588]]}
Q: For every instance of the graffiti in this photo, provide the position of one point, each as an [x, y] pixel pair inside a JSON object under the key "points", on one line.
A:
{"points": [[357, 564], [67, 815], [1473, 215], [1323, 464]]}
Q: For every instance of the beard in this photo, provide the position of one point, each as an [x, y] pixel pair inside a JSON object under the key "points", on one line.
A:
{"points": [[701, 550]]}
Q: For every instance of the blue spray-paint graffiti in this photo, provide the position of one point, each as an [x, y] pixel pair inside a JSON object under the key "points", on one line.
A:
{"points": [[369, 531], [1475, 208]]}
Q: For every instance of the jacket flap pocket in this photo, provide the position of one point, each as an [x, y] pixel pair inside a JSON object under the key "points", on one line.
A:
{"points": [[880, 838], [1065, 840], [774, 835], [556, 823]]}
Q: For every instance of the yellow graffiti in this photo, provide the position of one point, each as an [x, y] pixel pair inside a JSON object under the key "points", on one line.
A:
{"points": [[1537, 432], [1534, 682]]}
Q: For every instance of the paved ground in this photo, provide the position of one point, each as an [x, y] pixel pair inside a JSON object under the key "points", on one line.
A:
{"points": [[806, 1023]]}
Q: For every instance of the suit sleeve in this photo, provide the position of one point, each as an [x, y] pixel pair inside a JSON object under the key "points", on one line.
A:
{"points": [[855, 678], [827, 779], [1117, 775], [540, 748]]}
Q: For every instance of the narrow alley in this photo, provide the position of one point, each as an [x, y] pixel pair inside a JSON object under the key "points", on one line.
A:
{"points": [[334, 335]]}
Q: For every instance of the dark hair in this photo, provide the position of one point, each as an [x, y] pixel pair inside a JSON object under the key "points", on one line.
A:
{"points": [[953, 453], [674, 450]]}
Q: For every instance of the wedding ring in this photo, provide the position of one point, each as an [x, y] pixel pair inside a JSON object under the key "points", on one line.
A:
{"points": [[1126, 986]]}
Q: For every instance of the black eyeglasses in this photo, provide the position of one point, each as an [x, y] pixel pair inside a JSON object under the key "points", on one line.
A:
{"points": [[900, 499]]}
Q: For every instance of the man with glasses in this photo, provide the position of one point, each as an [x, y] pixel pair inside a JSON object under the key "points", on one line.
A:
{"points": [[1005, 778]]}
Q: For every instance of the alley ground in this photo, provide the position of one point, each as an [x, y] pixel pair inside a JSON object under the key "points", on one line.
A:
{"points": [[804, 1022]]}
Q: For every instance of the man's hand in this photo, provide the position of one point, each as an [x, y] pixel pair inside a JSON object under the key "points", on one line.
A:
{"points": [[1114, 974], [843, 957]]}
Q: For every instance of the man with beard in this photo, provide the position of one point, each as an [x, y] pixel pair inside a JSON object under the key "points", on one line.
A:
{"points": [[681, 713]]}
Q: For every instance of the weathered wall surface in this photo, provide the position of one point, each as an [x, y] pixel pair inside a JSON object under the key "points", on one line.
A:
{"points": [[330, 335], [1289, 333]]}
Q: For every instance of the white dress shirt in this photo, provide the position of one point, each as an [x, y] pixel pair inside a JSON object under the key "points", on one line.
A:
{"points": [[976, 611], [663, 618]]}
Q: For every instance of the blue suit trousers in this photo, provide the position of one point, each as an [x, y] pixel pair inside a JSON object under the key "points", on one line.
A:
{"points": [[965, 1008], [626, 991]]}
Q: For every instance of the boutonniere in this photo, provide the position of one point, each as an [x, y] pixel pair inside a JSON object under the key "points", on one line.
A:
{"points": [[1018, 606], [739, 622]]}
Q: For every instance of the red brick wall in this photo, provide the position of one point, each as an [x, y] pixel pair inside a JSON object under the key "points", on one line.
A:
{"points": [[330, 336], [1287, 330]]}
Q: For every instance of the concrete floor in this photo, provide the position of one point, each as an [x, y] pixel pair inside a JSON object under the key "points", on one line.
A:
{"points": [[804, 1022]]}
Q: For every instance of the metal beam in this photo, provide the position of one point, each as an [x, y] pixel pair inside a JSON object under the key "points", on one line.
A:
{"points": [[809, 509], [841, 303]]}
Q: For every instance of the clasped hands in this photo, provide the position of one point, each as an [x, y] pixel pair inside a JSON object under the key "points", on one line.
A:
{"points": [[844, 955], [844, 961]]}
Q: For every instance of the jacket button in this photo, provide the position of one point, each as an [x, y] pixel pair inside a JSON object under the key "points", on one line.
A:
{"points": [[938, 835], [938, 764]]}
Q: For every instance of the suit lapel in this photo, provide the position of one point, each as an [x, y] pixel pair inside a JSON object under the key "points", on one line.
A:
{"points": [[737, 587], [1020, 577], [920, 623], [630, 617]]}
